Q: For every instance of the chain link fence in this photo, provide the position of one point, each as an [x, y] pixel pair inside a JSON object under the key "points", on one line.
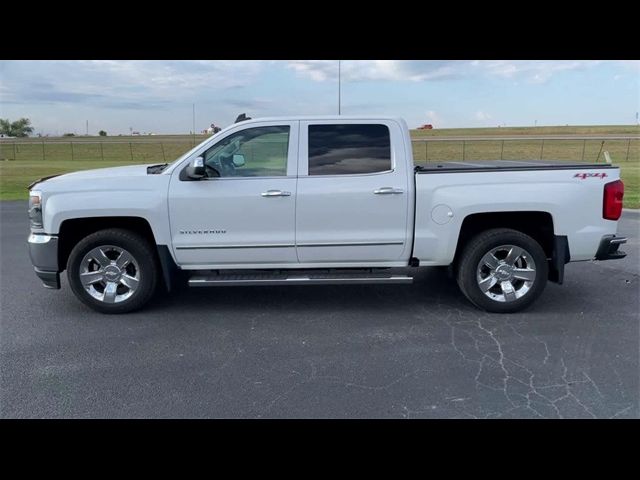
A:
{"points": [[571, 149], [435, 149]]}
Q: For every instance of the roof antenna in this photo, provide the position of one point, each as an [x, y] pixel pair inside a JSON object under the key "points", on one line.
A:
{"points": [[242, 117]]}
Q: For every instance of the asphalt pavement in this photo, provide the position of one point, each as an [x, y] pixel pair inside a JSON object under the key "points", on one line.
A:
{"points": [[324, 351]]}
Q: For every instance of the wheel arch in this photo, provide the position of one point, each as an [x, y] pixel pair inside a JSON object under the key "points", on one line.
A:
{"points": [[75, 229], [537, 224]]}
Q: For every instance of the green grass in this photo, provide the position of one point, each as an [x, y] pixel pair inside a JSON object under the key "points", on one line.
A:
{"points": [[36, 158], [553, 130], [631, 177]]}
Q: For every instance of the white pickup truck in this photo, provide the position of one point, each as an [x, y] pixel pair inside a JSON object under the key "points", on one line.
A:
{"points": [[320, 200]]}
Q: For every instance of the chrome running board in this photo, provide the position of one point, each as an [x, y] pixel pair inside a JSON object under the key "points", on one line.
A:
{"points": [[295, 279]]}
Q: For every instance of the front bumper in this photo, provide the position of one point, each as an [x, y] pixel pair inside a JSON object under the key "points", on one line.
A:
{"points": [[608, 249], [43, 250]]}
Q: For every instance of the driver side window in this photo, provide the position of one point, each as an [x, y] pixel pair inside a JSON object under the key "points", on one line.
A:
{"points": [[253, 152]]}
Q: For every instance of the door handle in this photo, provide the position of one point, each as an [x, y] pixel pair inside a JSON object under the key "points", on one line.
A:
{"points": [[275, 193], [388, 191]]}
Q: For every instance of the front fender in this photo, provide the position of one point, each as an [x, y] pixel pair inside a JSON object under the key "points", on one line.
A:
{"points": [[149, 204]]}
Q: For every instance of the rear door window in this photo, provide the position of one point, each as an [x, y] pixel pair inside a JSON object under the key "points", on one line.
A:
{"points": [[349, 149]]}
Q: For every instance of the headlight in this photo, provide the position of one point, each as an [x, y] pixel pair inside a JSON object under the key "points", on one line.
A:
{"points": [[35, 209]]}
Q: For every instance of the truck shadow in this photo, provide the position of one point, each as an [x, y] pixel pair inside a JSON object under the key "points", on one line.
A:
{"points": [[431, 285]]}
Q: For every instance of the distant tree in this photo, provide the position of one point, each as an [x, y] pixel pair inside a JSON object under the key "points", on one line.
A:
{"points": [[19, 128], [102, 133], [69, 135]]}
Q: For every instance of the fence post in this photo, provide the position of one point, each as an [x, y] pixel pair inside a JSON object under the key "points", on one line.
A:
{"points": [[601, 146], [15, 157], [101, 152], [162, 147], [584, 144], [426, 151], [542, 149], [464, 144], [501, 149], [43, 155], [71, 151], [628, 146], [131, 151]]}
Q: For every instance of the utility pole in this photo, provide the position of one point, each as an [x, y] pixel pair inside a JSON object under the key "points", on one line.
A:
{"points": [[339, 89], [194, 123], [87, 128]]}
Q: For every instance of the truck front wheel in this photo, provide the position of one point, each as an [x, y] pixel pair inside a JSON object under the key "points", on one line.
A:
{"points": [[502, 270], [113, 271]]}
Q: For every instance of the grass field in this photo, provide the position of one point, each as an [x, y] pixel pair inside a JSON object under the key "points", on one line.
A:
{"points": [[556, 130], [35, 158]]}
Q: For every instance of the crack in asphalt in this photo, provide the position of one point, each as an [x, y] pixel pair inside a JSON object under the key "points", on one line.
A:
{"points": [[486, 350]]}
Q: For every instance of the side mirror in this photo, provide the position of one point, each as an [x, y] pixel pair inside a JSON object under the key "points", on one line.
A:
{"points": [[195, 169], [238, 160]]}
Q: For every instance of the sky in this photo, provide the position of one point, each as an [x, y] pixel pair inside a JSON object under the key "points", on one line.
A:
{"points": [[158, 96]]}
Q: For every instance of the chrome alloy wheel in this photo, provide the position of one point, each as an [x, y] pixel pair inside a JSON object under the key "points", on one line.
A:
{"points": [[109, 274], [506, 273]]}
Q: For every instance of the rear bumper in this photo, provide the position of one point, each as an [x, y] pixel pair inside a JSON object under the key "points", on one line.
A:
{"points": [[609, 248], [43, 250]]}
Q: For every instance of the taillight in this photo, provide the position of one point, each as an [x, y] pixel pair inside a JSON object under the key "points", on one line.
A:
{"points": [[612, 203]]}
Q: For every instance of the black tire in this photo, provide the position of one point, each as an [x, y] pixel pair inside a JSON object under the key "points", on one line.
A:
{"points": [[485, 242], [140, 250]]}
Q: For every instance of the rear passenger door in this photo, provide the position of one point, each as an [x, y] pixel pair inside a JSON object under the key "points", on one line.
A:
{"points": [[352, 196]]}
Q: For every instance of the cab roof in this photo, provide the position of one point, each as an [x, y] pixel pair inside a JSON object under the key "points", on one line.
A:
{"points": [[324, 117]]}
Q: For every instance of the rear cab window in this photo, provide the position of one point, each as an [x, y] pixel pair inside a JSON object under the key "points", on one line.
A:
{"points": [[349, 149]]}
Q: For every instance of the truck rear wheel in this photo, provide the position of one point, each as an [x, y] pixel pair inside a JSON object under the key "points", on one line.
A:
{"points": [[502, 270], [113, 271]]}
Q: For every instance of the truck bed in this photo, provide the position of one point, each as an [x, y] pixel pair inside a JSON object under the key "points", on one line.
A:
{"points": [[570, 192], [505, 165]]}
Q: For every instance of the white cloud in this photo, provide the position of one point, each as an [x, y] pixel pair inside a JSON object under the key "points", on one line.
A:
{"points": [[152, 93], [162, 75], [370, 70], [157, 95], [114, 82], [632, 64], [318, 70], [534, 71], [482, 116], [433, 117]]}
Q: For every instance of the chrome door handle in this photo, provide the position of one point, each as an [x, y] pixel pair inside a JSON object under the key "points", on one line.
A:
{"points": [[388, 191], [275, 193]]}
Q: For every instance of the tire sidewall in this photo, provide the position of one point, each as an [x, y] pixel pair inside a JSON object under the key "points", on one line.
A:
{"points": [[485, 242], [137, 246]]}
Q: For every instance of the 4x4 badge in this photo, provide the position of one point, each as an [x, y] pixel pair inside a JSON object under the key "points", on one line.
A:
{"points": [[582, 176]]}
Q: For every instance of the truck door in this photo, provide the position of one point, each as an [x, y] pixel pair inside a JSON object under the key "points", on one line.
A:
{"points": [[243, 212], [353, 192]]}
